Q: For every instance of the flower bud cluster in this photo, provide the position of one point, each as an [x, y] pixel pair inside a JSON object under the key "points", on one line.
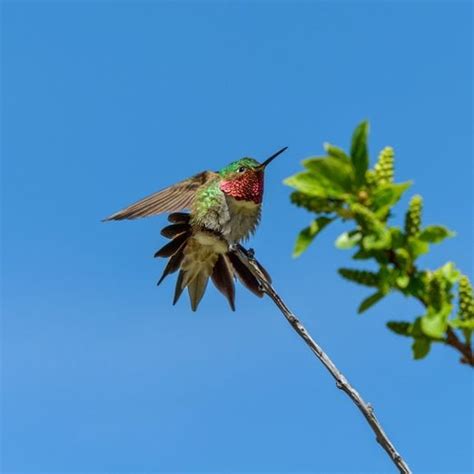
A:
{"points": [[466, 298], [413, 216], [384, 168]]}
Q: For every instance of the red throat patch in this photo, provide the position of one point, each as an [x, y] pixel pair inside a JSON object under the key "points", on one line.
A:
{"points": [[245, 187]]}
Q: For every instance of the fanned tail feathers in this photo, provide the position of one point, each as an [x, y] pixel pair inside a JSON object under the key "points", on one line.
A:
{"points": [[223, 279], [198, 255]]}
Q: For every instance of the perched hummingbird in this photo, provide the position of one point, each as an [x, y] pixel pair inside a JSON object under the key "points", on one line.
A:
{"points": [[225, 209]]}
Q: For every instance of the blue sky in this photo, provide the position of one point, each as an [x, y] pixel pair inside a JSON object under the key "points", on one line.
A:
{"points": [[105, 102]]}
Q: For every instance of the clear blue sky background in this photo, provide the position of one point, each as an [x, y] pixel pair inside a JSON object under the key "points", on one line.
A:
{"points": [[105, 102]]}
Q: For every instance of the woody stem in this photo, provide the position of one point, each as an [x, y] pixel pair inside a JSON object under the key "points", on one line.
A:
{"points": [[247, 257]]}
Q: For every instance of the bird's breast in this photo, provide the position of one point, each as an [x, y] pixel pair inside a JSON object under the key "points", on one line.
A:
{"points": [[243, 219]]}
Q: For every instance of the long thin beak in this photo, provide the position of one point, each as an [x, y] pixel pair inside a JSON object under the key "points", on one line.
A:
{"points": [[269, 160]]}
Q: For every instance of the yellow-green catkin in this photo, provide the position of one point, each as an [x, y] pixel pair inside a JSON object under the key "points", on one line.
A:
{"points": [[466, 299], [413, 216], [370, 178], [384, 168], [360, 276]]}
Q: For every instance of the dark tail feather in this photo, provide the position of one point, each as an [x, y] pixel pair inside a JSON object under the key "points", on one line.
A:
{"points": [[178, 217], [179, 287], [173, 263], [173, 230], [244, 275], [223, 279], [249, 253], [172, 247], [197, 288]]}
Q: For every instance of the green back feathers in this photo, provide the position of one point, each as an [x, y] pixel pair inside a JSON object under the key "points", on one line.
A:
{"points": [[235, 165]]}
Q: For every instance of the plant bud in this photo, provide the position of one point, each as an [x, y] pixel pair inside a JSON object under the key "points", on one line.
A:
{"points": [[466, 299], [384, 168], [413, 216]]}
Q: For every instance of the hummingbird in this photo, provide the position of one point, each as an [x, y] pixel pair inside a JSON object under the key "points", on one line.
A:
{"points": [[225, 209]]}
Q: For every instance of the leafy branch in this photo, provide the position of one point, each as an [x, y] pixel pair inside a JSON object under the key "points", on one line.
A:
{"points": [[342, 186]]}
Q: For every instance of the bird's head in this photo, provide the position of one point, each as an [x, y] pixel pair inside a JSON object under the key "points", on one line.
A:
{"points": [[243, 179]]}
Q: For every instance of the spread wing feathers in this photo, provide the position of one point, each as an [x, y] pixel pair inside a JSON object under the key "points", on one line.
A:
{"points": [[245, 275], [222, 277], [174, 198], [172, 247]]}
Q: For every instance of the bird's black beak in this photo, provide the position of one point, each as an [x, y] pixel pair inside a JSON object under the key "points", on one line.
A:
{"points": [[269, 160]]}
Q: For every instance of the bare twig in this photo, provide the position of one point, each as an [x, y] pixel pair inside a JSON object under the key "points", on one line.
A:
{"points": [[247, 257]]}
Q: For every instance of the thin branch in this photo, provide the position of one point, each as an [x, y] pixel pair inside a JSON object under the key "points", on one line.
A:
{"points": [[247, 257], [465, 349]]}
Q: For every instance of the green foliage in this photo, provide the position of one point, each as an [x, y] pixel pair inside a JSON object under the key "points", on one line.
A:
{"points": [[465, 317], [307, 235], [413, 216], [434, 234], [370, 301], [342, 186], [384, 168], [466, 299], [362, 277], [359, 152]]}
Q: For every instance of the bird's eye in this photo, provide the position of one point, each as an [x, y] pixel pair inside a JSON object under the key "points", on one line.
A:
{"points": [[242, 169]]}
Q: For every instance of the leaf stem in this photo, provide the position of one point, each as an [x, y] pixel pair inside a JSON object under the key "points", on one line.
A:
{"points": [[465, 349]]}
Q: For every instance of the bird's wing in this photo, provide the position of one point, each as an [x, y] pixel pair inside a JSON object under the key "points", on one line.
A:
{"points": [[174, 198]]}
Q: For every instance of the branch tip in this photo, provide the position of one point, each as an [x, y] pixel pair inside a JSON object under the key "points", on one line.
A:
{"points": [[248, 259]]}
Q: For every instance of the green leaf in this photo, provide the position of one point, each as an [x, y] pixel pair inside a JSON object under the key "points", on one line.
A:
{"points": [[307, 235], [450, 272], [336, 152], [435, 234], [403, 328], [307, 183], [421, 346], [361, 277], [398, 239], [377, 236], [362, 254], [462, 324], [402, 257], [359, 152], [314, 203], [377, 240], [335, 175], [417, 247], [435, 323], [386, 278], [386, 196], [415, 328], [370, 301], [348, 240]]}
